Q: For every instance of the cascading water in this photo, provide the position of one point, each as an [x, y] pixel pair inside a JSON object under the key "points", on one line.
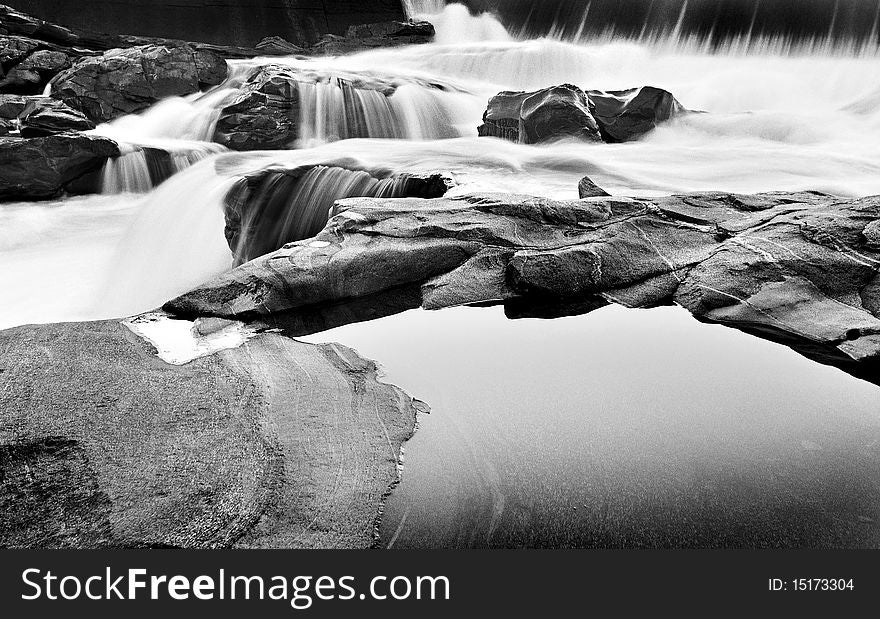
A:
{"points": [[289, 206], [782, 114]]}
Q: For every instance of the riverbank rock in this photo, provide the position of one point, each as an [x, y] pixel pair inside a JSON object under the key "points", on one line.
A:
{"points": [[544, 115], [43, 168], [795, 267], [104, 444], [625, 115], [270, 208], [125, 81]]}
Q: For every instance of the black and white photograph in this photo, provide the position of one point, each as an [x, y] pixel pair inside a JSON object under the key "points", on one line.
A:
{"points": [[411, 276]]}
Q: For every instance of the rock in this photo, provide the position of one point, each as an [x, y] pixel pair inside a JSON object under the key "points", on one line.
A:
{"points": [[270, 208], [588, 189], [21, 81], [103, 444], [279, 46], [625, 115], [794, 267], [11, 106], [125, 81], [544, 115], [14, 49], [265, 114], [46, 62], [7, 127], [45, 116], [381, 34], [42, 168]]}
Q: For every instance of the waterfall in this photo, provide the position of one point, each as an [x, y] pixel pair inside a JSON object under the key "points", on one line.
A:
{"points": [[288, 206], [332, 108], [138, 169]]}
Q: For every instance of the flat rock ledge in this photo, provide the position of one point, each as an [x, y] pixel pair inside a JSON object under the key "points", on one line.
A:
{"points": [[798, 268], [273, 443]]}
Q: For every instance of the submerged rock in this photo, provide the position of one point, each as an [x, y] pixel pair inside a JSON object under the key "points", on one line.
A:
{"points": [[103, 444], [43, 168], [540, 116], [125, 81], [795, 267]]}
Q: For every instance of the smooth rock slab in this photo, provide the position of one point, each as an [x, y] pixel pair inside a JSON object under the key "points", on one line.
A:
{"points": [[275, 443], [799, 267]]}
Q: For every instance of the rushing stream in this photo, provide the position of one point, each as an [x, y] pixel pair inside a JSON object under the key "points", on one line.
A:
{"points": [[618, 427]]}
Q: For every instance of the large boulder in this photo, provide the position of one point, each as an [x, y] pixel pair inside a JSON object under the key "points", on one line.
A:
{"points": [[125, 81], [800, 268], [544, 115], [43, 168], [568, 112], [104, 444], [625, 115]]}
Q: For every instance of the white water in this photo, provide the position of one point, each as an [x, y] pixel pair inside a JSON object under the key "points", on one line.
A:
{"points": [[777, 121]]}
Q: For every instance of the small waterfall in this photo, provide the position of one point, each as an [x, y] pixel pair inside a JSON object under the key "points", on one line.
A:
{"points": [[279, 207], [332, 108], [140, 168]]}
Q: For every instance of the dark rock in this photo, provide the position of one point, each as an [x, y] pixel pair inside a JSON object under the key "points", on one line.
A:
{"points": [[7, 127], [382, 34], [125, 81], [797, 268], [544, 115], [21, 81], [45, 116], [42, 168], [264, 115], [14, 49], [46, 62], [277, 45], [625, 115], [588, 189], [103, 444], [11, 106], [270, 208]]}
